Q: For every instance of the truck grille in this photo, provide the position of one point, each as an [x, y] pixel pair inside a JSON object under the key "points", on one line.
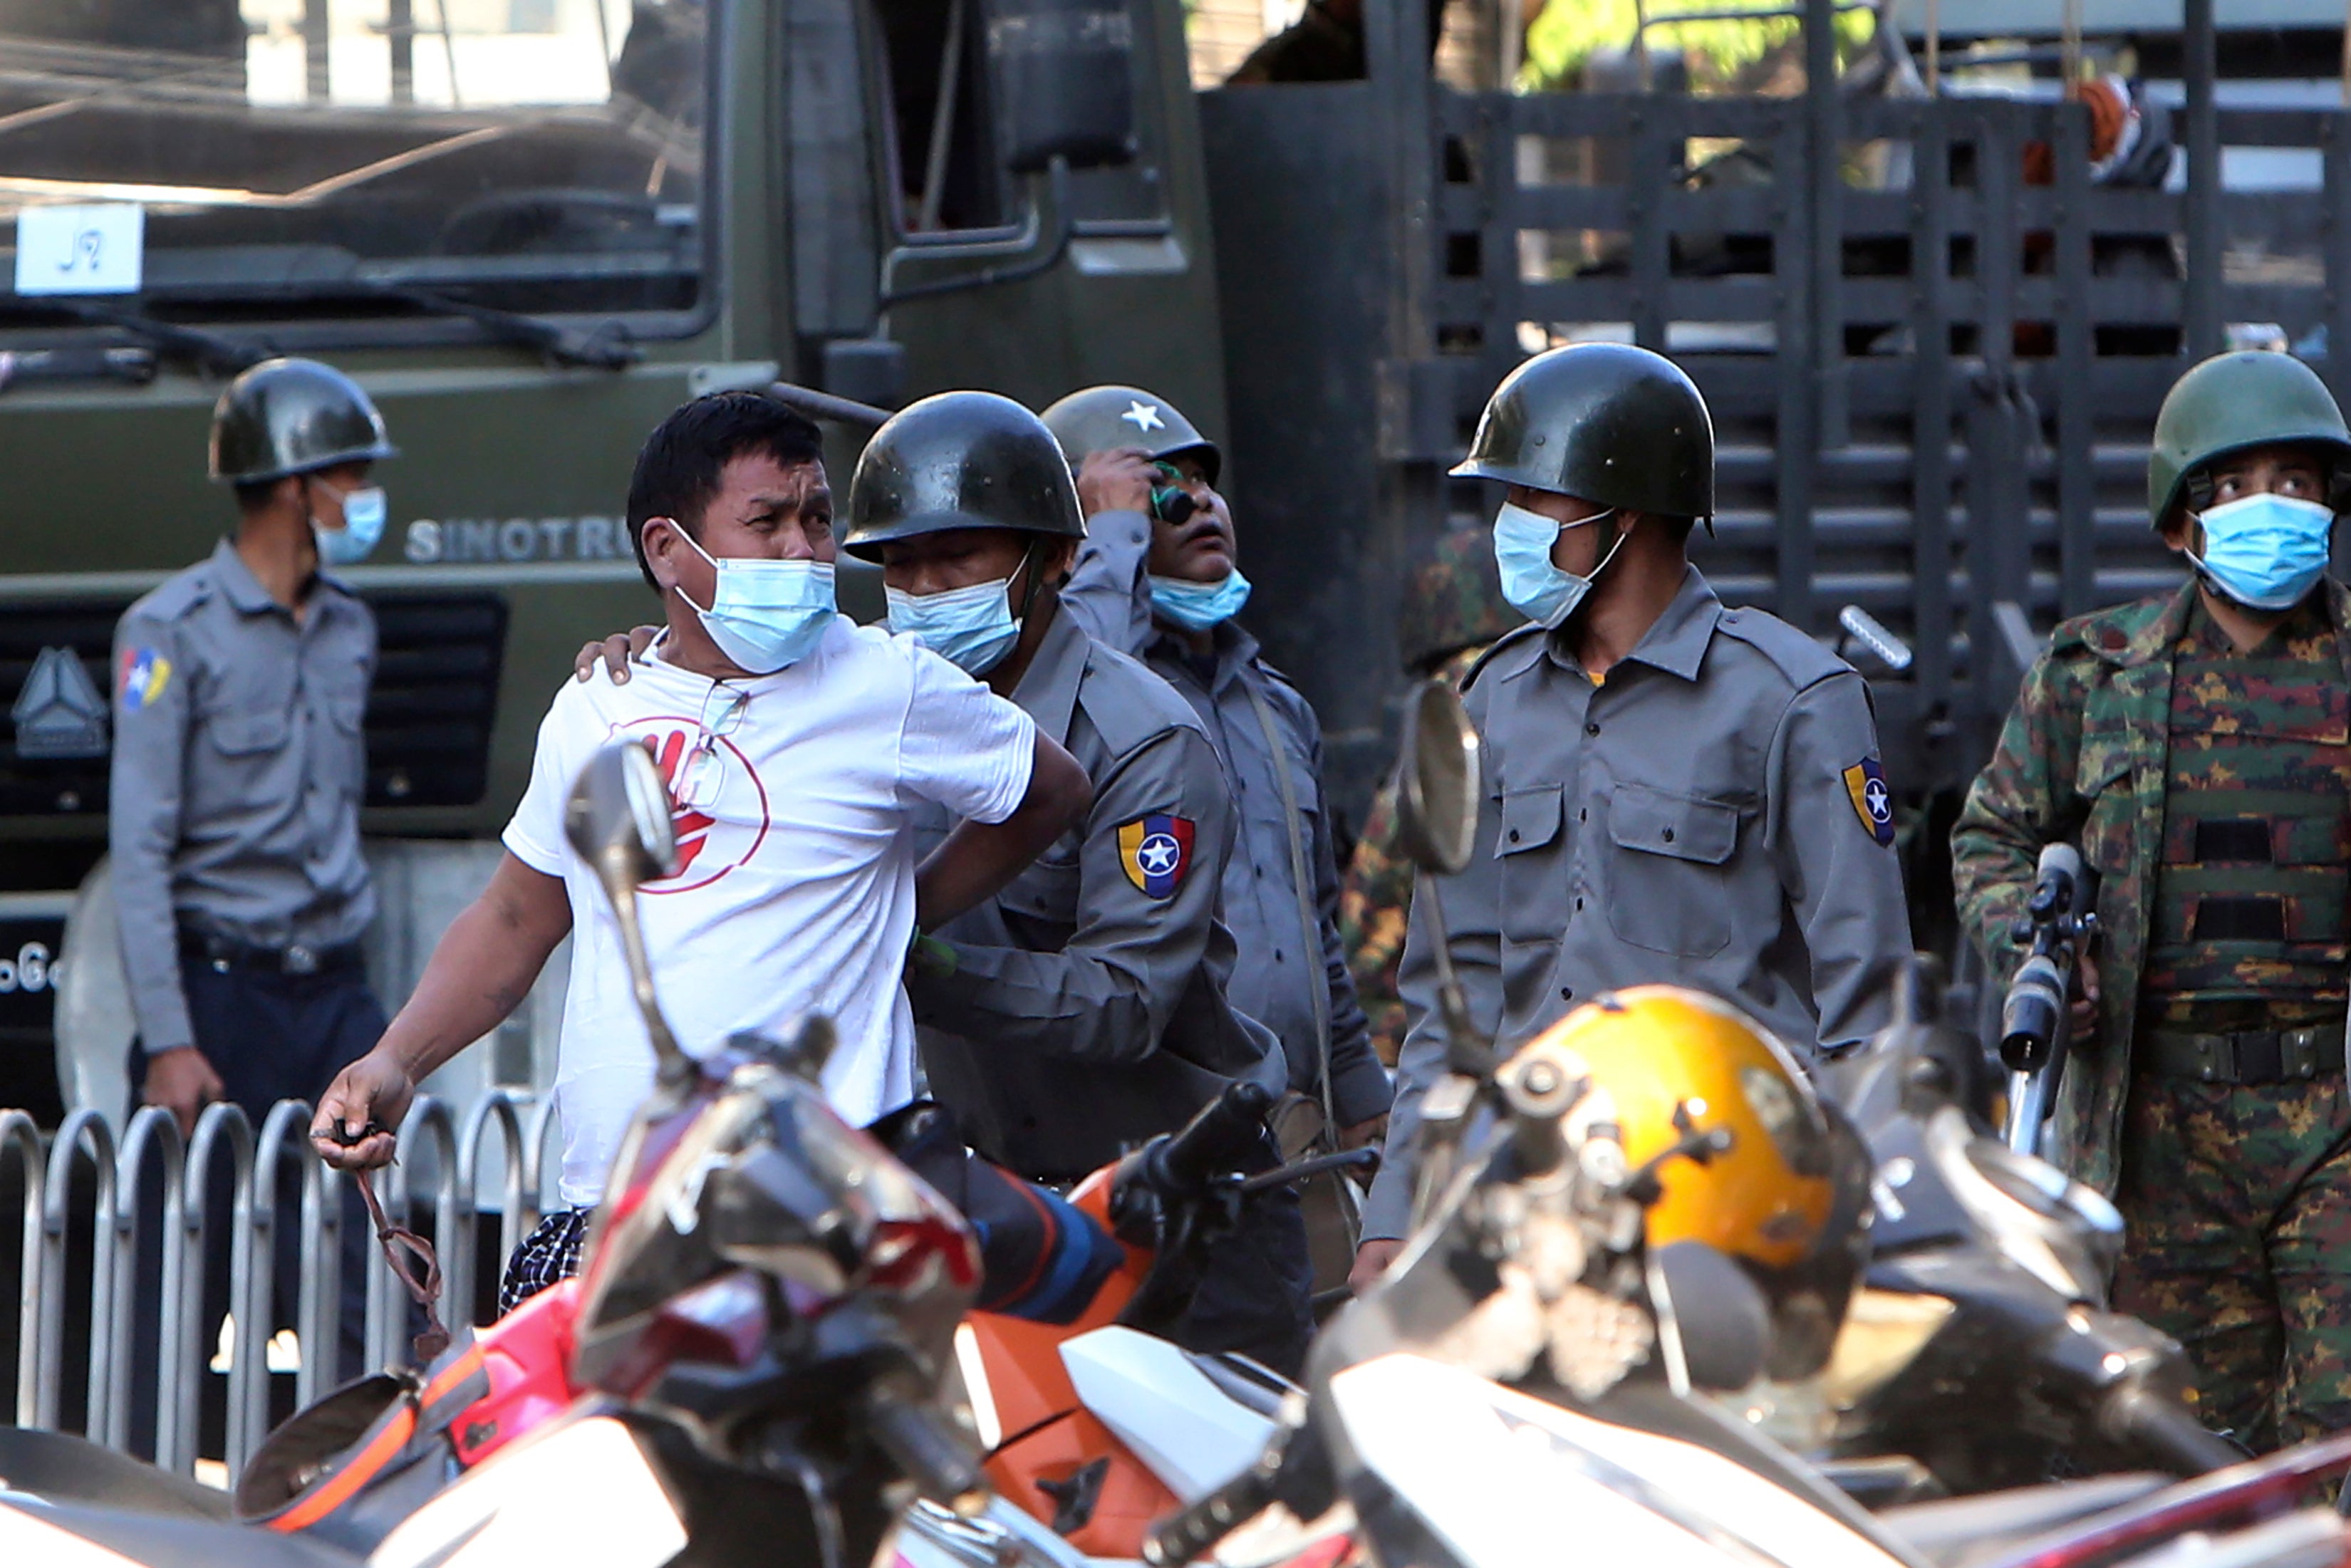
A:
{"points": [[430, 713], [435, 698]]}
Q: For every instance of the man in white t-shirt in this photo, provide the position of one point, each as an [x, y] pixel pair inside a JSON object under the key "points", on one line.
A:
{"points": [[797, 746]]}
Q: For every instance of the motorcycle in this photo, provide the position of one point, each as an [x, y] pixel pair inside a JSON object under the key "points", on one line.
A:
{"points": [[1096, 1429], [1096, 1425], [1984, 1256], [763, 1332], [1530, 1360]]}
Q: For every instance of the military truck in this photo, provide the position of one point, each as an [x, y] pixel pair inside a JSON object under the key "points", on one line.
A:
{"points": [[531, 227]]}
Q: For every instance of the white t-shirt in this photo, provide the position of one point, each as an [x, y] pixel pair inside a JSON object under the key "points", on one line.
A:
{"points": [[797, 890]]}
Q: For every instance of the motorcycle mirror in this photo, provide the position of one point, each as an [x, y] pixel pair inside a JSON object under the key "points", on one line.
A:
{"points": [[1437, 784], [618, 819]]}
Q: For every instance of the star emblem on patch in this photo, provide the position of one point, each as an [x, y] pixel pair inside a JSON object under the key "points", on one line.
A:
{"points": [[1144, 415], [1156, 851], [1873, 801]]}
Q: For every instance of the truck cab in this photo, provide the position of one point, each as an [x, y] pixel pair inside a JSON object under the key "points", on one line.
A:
{"points": [[530, 228]]}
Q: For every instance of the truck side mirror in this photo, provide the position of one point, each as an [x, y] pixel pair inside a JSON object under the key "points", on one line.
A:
{"points": [[1063, 73]]}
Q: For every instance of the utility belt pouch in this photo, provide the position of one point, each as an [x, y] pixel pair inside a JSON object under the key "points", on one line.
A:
{"points": [[2249, 1057]]}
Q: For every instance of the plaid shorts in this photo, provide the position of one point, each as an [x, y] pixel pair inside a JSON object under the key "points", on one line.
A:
{"points": [[547, 1256]]}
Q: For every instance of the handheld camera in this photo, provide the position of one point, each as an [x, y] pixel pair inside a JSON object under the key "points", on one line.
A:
{"points": [[1170, 502]]}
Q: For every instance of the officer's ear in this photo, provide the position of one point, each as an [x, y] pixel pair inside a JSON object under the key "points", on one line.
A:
{"points": [[1057, 561], [662, 546], [288, 493]]}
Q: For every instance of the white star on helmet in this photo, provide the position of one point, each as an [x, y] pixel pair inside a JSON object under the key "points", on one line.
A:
{"points": [[1144, 415]]}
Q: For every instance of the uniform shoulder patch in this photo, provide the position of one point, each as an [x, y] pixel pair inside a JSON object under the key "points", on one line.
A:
{"points": [[2110, 634], [175, 595], [143, 678], [1129, 702], [1277, 676], [1872, 802], [1795, 654], [1156, 851]]}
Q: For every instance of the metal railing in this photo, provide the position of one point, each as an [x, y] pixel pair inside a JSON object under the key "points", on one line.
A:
{"points": [[436, 1185]]}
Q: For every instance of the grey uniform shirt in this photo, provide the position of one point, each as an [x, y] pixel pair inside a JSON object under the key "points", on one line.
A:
{"points": [[1711, 815], [1083, 1010], [1291, 974], [238, 770]]}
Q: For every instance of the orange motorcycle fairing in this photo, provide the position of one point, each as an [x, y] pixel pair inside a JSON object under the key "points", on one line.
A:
{"points": [[1076, 1476]]}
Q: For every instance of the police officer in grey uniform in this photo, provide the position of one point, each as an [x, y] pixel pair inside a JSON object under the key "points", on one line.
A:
{"points": [[1676, 791], [1083, 1009], [1157, 578], [241, 685]]}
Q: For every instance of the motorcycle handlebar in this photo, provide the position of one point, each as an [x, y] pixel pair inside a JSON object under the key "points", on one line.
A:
{"points": [[1223, 1136], [1190, 1534], [2164, 1432], [928, 1450]]}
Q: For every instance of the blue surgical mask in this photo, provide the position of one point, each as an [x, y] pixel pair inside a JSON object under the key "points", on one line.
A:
{"points": [[2266, 551], [765, 615], [364, 511], [1196, 606], [1535, 588], [971, 628]]}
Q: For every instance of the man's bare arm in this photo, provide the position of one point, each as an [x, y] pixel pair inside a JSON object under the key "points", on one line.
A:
{"points": [[479, 974], [979, 858]]}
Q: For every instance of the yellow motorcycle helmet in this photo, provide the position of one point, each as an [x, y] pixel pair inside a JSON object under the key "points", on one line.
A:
{"points": [[1786, 1192]]}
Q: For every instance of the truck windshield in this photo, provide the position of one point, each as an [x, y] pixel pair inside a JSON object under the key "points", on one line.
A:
{"points": [[533, 155]]}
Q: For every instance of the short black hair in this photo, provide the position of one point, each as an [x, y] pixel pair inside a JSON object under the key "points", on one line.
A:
{"points": [[679, 464]]}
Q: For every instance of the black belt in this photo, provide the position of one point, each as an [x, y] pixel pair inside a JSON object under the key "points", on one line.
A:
{"points": [[2248, 1056], [225, 954]]}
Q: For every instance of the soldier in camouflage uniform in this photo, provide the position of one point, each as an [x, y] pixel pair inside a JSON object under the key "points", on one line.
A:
{"points": [[1453, 609], [2197, 748]]}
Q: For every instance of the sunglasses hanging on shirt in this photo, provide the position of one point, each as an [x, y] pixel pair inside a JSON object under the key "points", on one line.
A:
{"points": [[702, 774]]}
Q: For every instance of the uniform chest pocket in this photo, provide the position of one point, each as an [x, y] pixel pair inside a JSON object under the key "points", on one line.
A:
{"points": [[1533, 883], [1667, 887], [245, 732], [2102, 781], [345, 701], [1302, 782], [1530, 819], [1046, 894]]}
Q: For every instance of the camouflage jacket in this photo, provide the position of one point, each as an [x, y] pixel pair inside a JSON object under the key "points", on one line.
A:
{"points": [[2084, 757], [1375, 897]]}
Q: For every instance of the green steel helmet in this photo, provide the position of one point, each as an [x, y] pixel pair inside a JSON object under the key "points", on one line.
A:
{"points": [[291, 416], [2230, 402], [1101, 418], [1606, 423], [1452, 600], [959, 460]]}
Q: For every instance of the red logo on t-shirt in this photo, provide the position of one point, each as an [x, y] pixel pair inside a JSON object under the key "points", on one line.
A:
{"points": [[718, 807], [691, 827]]}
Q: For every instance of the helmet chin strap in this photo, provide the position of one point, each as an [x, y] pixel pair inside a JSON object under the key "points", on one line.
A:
{"points": [[1035, 581], [1618, 533]]}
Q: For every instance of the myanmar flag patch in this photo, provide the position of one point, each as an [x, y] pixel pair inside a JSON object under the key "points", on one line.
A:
{"points": [[1872, 802], [1156, 850]]}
